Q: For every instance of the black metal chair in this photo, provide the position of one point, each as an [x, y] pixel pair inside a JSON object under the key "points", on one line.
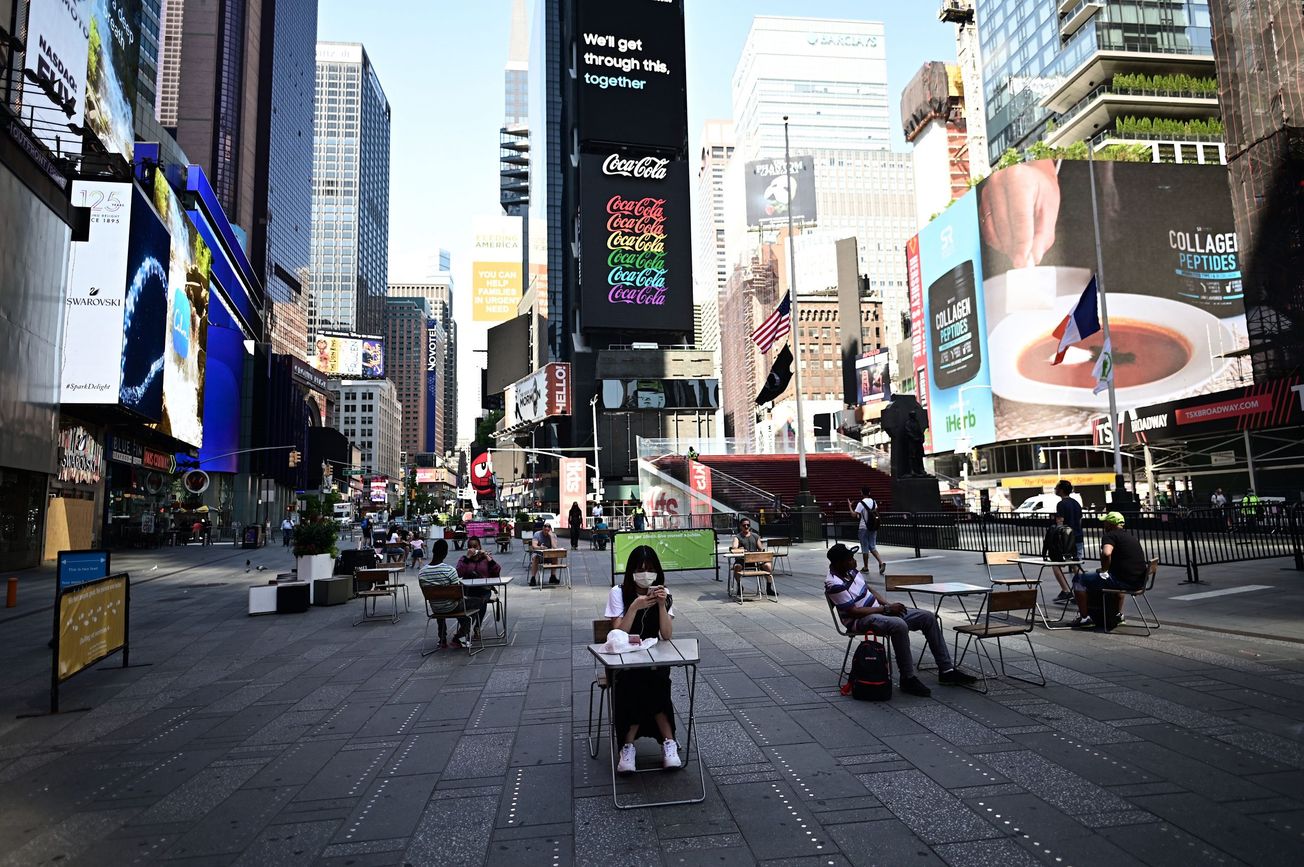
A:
{"points": [[983, 629]]}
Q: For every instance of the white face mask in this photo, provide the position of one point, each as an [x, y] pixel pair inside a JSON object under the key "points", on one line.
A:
{"points": [[644, 580]]}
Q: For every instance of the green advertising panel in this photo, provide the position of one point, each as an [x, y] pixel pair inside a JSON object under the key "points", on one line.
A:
{"points": [[679, 550]]}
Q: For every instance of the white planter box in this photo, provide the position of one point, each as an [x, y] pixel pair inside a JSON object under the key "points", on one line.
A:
{"points": [[316, 566]]}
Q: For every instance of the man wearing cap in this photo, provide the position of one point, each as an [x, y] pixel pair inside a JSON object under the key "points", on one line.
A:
{"points": [[864, 609], [1122, 567]]}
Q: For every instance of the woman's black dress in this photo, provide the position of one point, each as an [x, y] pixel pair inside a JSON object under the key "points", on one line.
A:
{"points": [[639, 695]]}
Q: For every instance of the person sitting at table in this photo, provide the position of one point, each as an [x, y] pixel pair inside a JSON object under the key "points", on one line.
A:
{"points": [[1122, 567], [440, 574], [861, 608], [544, 540], [640, 701], [478, 563], [600, 533], [745, 541]]}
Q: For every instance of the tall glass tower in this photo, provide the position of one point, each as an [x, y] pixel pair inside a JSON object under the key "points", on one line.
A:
{"points": [[1103, 71], [350, 200]]}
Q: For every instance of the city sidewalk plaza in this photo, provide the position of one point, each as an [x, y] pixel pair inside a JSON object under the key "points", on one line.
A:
{"points": [[301, 739]]}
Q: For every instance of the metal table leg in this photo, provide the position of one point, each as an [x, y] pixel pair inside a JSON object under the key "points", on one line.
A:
{"points": [[690, 675]]}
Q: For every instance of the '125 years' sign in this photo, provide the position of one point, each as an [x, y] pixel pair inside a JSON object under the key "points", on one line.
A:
{"points": [[637, 244]]}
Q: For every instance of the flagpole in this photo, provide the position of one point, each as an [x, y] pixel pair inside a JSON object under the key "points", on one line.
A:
{"points": [[804, 494], [1104, 324]]}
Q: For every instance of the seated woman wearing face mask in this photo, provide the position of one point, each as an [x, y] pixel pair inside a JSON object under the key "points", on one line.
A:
{"points": [[641, 699]]}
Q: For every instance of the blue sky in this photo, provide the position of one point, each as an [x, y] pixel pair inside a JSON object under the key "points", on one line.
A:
{"points": [[440, 63]]}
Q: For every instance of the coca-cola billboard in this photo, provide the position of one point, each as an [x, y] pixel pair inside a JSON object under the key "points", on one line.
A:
{"points": [[636, 269]]}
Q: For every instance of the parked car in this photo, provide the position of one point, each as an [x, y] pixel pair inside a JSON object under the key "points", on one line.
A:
{"points": [[1042, 504]]}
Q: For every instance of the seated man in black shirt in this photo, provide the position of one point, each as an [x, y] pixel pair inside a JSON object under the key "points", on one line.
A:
{"points": [[1122, 567]]}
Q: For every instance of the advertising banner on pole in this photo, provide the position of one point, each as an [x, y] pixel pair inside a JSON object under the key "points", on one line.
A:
{"points": [[58, 39], [96, 295], [699, 480], [771, 196], [637, 248], [574, 488]]}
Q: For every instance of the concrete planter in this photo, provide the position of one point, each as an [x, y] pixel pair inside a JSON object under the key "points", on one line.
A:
{"points": [[315, 566]]}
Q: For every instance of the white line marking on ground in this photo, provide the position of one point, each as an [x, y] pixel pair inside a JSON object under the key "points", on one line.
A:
{"points": [[915, 559], [1248, 588]]}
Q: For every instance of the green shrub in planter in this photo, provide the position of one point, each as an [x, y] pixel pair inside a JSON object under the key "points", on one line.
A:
{"points": [[314, 538]]}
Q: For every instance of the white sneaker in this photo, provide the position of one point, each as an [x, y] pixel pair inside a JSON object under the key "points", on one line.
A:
{"points": [[626, 765], [671, 759]]}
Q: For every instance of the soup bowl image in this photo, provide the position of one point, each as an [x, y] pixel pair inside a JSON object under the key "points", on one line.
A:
{"points": [[1163, 349]]}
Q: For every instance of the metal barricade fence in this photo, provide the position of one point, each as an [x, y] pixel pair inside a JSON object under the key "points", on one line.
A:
{"points": [[1185, 539]]}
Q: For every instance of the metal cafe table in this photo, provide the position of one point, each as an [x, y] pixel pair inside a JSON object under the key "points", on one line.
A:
{"points": [[678, 653], [502, 632], [1042, 566]]}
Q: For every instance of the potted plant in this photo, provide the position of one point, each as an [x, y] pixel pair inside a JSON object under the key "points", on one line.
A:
{"points": [[524, 527], [314, 549]]}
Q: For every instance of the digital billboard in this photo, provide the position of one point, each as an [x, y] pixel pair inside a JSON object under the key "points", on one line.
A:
{"points": [[225, 372], [495, 268], [349, 356], [189, 278], [145, 311], [113, 60], [1172, 274], [58, 39], [95, 297], [630, 66], [873, 378], [637, 244], [635, 394], [776, 188]]}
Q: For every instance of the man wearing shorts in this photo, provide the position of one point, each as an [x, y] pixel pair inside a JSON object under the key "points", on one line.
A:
{"points": [[867, 511], [1122, 567]]}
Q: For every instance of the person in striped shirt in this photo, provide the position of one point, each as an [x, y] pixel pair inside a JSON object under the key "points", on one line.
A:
{"points": [[864, 609]]}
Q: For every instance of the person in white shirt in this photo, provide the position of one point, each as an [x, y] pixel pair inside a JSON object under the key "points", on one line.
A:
{"points": [[640, 698], [867, 512]]}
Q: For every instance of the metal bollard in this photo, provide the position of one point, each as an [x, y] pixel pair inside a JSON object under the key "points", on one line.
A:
{"points": [[11, 593]]}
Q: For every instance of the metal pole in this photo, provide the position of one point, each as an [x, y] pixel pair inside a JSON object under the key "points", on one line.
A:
{"points": [[796, 320], [1104, 324], [597, 468], [1150, 475], [1249, 462]]}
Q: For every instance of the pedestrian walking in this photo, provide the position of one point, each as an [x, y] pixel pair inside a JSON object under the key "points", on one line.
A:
{"points": [[287, 531], [575, 520]]}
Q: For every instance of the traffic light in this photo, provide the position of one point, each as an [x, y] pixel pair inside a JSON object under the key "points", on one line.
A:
{"points": [[295, 456]]}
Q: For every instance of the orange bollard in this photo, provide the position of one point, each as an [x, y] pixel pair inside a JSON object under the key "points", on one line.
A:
{"points": [[11, 593]]}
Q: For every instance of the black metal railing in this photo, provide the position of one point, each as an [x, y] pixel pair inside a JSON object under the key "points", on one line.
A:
{"points": [[1186, 539]]}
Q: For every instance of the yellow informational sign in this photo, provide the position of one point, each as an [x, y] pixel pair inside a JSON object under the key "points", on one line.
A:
{"points": [[1078, 480], [92, 623], [495, 268]]}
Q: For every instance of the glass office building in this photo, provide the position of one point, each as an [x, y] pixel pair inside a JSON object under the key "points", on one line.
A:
{"points": [[350, 198], [1106, 71]]}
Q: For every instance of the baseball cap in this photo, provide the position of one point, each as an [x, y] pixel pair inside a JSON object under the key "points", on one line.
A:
{"points": [[1114, 518], [838, 551]]}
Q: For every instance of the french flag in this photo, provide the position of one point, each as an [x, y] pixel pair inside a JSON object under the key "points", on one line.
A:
{"points": [[1082, 322]]}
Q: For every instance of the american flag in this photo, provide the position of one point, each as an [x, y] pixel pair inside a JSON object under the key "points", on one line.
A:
{"points": [[778, 326]]}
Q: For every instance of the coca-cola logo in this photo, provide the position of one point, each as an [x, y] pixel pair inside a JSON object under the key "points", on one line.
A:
{"points": [[646, 168]]}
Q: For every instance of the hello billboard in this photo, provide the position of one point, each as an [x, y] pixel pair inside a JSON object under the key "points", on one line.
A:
{"points": [[546, 393], [990, 280]]}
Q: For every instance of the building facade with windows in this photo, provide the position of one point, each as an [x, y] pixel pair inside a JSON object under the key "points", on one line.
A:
{"points": [[1107, 72], [410, 350], [369, 413], [350, 193], [437, 291]]}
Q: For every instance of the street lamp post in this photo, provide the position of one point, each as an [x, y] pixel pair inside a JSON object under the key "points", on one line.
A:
{"points": [[597, 468]]}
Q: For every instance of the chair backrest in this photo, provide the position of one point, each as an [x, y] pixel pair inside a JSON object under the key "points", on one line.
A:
{"points": [[1007, 601], [1151, 571], [601, 629], [837, 621], [371, 576], [444, 593], [893, 582], [758, 557], [779, 542], [1002, 558]]}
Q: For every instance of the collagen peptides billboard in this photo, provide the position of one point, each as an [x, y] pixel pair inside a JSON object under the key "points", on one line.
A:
{"points": [[97, 291], [630, 64], [637, 249], [112, 63], [1171, 271], [145, 311], [776, 188], [187, 330], [349, 356]]}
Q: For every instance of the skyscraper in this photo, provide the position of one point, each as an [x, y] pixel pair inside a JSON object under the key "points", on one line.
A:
{"points": [[516, 90], [829, 76], [350, 201], [407, 357], [1107, 72], [437, 292]]}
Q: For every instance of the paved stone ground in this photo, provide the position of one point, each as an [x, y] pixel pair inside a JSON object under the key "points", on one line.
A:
{"points": [[303, 739]]}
